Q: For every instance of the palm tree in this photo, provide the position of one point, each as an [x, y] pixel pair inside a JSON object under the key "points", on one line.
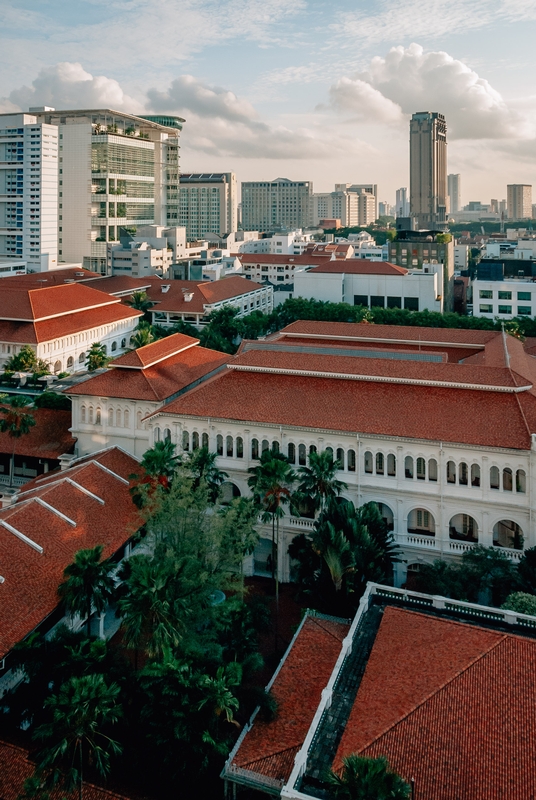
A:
{"points": [[88, 584], [73, 737], [16, 422], [144, 335], [318, 481], [96, 357], [159, 465], [141, 302], [367, 779], [202, 464]]}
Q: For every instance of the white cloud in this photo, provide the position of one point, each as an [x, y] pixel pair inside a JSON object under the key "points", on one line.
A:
{"points": [[364, 101], [68, 85]]}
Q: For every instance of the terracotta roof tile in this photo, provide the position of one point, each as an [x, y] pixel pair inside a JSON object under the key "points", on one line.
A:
{"points": [[37, 280], [155, 352], [50, 437], [360, 266], [27, 304], [50, 329], [396, 333]]}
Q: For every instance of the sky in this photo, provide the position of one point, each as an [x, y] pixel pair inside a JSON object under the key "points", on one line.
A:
{"points": [[304, 89]]}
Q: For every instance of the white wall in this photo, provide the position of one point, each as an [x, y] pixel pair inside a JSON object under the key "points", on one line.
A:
{"points": [[504, 299]]}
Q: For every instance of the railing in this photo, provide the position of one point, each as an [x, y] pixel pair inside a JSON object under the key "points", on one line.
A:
{"points": [[460, 547], [413, 540], [301, 522], [4, 480]]}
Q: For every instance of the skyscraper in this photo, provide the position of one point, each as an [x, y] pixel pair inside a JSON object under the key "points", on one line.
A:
{"points": [[208, 204], [519, 201], [454, 192], [428, 169], [402, 202]]}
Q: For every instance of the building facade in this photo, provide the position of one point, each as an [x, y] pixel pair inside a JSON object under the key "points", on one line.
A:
{"points": [[428, 169], [402, 202], [504, 299], [28, 191], [423, 250], [519, 201], [454, 193], [279, 204], [208, 203]]}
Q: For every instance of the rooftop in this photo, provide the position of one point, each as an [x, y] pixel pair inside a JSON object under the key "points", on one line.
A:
{"points": [[360, 266], [24, 304], [49, 438]]}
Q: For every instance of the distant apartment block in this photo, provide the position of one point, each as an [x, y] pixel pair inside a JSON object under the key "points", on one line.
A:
{"points": [[28, 193], [428, 169], [519, 201], [208, 203], [402, 202], [454, 192], [504, 299], [115, 170], [281, 204]]}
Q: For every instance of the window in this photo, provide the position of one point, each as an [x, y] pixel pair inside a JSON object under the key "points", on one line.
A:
{"points": [[229, 446], [118, 418], [408, 467], [340, 457], [255, 449], [423, 519], [292, 453], [81, 358], [167, 435], [377, 301], [507, 480], [494, 478], [379, 464], [138, 419], [204, 440], [219, 444], [486, 308], [239, 447], [391, 465], [475, 475], [157, 434], [521, 481], [123, 343], [195, 440], [110, 416], [114, 347], [463, 477], [275, 447], [432, 470], [312, 448], [83, 414], [486, 294], [505, 309], [70, 362], [368, 462], [524, 311], [302, 457], [351, 460], [98, 416], [411, 303], [185, 441], [505, 295], [361, 300], [421, 469], [523, 295], [394, 302], [330, 451]]}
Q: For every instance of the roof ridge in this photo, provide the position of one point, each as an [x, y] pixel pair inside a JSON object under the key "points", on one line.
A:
{"points": [[504, 637], [317, 621], [270, 755]]}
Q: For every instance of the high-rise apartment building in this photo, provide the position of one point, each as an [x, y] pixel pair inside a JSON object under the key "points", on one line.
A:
{"points": [[454, 192], [402, 202], [28, 191], [115, 170], [428, 169], [208, 204], [519, 201], [276, 205]]}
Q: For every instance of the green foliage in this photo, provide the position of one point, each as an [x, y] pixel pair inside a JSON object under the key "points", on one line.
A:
{"points": [[202, 465], [53, 400], [319, 485], [443, 238], [88, 584], [527, 571], [521, 602], [364, 778], [96, 357], [143, 336], [26, 361], [16, 416]]}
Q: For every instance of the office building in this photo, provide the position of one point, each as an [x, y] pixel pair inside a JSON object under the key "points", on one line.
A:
{"points": [[277, 205], [402, 202], [367, 198], [28, 193], [454, 192], [428, 169], [519, 201], [354, 205], [208, 204], [115, 170]]}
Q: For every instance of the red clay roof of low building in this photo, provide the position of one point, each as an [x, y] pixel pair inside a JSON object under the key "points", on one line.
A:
{"points": [[152, 353], [37, 280], [99, 505], [269, 747], [449, 705], [50, 437], [51, 329], [31, 305], [277, 258], [360, 266], [394, 333]]}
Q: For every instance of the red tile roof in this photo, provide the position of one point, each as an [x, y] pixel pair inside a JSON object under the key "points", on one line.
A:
{"points": [[449, 705], [16, 767], [360, 266], [269, 748], [364, 407], [60, 514], [50, 437], [156, 383], [155, 352], [68, 325], [276, 258], [37, 280], [31, 305]]}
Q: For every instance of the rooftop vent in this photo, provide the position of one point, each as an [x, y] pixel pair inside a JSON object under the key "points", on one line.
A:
{"points": [[188, 296], [165, 287], [69, 280], [79, 274]]}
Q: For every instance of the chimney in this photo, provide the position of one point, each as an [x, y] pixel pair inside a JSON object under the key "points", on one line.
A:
{"points": [[66, 460], [8, 496], [165, 287]]}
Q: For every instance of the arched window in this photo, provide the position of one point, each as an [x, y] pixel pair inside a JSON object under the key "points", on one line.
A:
{"points": [[464, 528], [275, 447], [70, 362], [81, 358], [114, 347], [239, 447], [340, 457], [432, 470], [421, 521], [126, 418], [255, 449], [204, 440], [291, 453], [507, 480], [475, 475], [391, 465], [408, 467], [57, 367], [521, 481], [379, 464], [123, 343], [351, 460], [508, 533], [90, 416], [302, 455], [110, 417], [494, 478], [330, 451], [463, 474], [139, 416], [229, 446], [219, 444], [98, 416], [166, 435], [157, 434], [82, 414], [195, 441], [421, 469], [118, 418], [368, 462], [185, 440], [265, 445], [228, 492], [451, 472], [312, 449]]}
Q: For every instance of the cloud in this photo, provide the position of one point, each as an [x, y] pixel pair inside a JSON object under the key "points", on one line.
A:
{"points": [[204, 101], [409, 79], [68, 85]]}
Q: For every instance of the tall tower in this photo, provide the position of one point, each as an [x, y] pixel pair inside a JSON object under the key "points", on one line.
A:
{"points": [[428, 169], [454, 192]]}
